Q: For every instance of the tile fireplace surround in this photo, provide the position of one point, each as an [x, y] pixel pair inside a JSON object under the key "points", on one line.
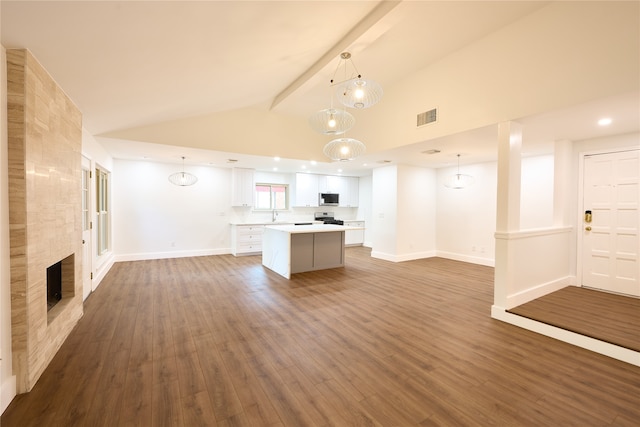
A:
{"points": [[45, 143]]}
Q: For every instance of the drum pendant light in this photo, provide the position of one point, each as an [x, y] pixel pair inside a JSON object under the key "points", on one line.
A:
{"points": [[183, 178]]}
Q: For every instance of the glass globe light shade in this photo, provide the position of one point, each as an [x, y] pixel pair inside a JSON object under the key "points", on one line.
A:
{"points": [[359, 93], [459, 181], [331, 121], [344, 149], [183, 179]]}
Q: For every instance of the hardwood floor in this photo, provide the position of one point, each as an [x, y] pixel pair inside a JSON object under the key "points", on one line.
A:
{"points": [[600, 315], [221, 341]]}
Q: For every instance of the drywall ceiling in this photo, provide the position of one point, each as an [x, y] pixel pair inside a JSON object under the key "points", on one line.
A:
{"points": [[136, 65]]}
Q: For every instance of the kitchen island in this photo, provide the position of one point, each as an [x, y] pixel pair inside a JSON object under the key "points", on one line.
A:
{"points": [[289, 249]]}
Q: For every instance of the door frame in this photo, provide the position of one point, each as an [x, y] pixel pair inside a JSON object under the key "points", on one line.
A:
{"points": [[580, 204], [88, 239]]}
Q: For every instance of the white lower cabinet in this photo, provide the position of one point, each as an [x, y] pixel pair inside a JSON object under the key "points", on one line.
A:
{"points": [[354, 237], [246, 239]]}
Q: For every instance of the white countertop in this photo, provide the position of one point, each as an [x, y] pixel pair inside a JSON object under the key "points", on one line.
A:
{"points": [[289, 222], [314, 228]]}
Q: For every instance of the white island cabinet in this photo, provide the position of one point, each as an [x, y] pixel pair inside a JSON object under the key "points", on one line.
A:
{"points": [[289, 249]]}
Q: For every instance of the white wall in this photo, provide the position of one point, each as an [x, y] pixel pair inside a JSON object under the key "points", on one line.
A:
{"points": [[364, 211], [403, 213], [536, 193], [416, 227], [384, 206], [153, 218], [466, 218]]}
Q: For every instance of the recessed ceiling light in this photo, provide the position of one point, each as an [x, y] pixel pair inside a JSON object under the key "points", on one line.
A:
{"points": [[275, 169], [339, 170], [276, 158], [303, 166], [606, 121], [313, 162]]}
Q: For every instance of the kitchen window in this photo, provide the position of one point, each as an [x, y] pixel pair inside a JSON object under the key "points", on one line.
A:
{"points": [[271, 197]]}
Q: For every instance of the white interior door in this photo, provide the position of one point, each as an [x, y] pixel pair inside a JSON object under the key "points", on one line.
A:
{"points": [[86, 228], [611, 194]]}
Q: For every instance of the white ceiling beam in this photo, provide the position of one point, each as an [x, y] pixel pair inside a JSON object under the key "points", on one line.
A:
{"points": [[361, 28]]}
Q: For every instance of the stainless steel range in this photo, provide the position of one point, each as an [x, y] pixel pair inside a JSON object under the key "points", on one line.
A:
{"points": [[327, 218]]}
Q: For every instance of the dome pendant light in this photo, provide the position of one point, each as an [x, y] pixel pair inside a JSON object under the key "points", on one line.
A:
{"points": [[331, 121], [458, 180], [183, 178], [344, 149], [356, 92]]}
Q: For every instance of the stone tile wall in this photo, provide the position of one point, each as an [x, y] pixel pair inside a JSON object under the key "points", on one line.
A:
{"points": [[45, 143]]}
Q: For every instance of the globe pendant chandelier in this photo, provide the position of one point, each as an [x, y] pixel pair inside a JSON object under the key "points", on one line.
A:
{"points": [[183, 178], [458, 180], [354, 92]]}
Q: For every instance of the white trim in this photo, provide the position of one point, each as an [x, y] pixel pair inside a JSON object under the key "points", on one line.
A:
{"points": [[7, 392], [107, 261], [588, 343], [525, 234], [489, 262], [537, 291], [174, 254], [401, 258]]}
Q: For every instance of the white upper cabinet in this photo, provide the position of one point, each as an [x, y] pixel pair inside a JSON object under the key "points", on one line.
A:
{"points": [[309, 185], [307, 189], [349, 193], [242, 182], [330, 184]]}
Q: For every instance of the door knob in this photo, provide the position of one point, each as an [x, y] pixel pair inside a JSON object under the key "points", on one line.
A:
{"points": [[588, 228]]}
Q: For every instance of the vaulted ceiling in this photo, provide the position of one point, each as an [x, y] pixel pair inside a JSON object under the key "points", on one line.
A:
{"points": [[215, 80]]}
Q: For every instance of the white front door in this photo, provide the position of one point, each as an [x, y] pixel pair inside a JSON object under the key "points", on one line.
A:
{"points": [[610, 222], [86, 228]]}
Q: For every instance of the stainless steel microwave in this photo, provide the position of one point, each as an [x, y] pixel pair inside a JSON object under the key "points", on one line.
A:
{"points": [[328, 199]]}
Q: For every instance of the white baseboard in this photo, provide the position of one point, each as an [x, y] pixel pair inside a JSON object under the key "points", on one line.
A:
{"points": [[102, 270], [174, 254], [489, 262], [7, 392], [538, 291], [588, 343], [404, 257]]}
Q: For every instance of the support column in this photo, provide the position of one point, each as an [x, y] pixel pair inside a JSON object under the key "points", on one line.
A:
{"points": [[561, 167], [508, 207]]}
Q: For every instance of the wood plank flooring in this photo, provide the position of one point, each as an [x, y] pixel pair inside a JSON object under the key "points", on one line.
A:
{"points": [[604, 316], [221, 341]]}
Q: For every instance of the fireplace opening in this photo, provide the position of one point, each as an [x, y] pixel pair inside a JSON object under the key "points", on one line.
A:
{"points": [[54, 284]]}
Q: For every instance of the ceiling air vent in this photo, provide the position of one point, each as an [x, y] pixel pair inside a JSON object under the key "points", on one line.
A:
{"points": [[427, 117]]}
